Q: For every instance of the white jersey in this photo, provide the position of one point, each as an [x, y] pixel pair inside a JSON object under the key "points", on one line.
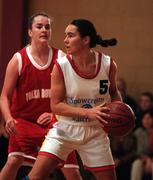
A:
{"points": [[82, 91], [69, 133]]}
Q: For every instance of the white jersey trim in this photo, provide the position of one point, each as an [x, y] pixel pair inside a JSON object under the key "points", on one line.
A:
{"points": [[21, 154], [71, 166], [105, 61], [19, 62], [25, 163], [35, 64]]}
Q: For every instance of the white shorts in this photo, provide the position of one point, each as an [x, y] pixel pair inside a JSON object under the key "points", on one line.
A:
{"points": [[88, 138]]}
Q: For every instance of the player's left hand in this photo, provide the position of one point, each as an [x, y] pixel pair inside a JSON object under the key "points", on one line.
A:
{"points": [[44, 119]]}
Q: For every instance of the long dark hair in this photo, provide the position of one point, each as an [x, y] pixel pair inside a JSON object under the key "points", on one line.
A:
{"points": [[86, 28]]}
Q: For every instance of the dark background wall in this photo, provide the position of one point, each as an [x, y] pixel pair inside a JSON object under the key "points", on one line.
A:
{"points": [[129, 21], [12, 30]]}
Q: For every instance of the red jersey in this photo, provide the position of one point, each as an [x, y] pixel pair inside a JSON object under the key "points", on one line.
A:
{"points": [[31, 97]]}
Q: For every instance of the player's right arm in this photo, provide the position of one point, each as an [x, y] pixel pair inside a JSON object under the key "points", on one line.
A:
{"points": [[10, 81]]}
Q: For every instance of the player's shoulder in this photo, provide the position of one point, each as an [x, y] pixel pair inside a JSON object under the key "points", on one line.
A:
{"points": [[106, 59], [103, 55], [62, 59], [61, 53], [17, 55]]}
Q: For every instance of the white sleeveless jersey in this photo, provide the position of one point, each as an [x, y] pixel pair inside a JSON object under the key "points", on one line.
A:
{"points": [[82, 91]]}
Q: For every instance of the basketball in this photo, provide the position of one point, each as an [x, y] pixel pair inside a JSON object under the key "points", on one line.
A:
{"points": [[122, 119]]}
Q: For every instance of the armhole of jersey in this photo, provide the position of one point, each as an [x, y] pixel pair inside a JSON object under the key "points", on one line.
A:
{"points": [[19, 62], [110, 68], [59, 68]]}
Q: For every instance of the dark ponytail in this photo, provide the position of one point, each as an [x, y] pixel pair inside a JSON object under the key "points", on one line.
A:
{"points": [[86, 28], [105, 42]]}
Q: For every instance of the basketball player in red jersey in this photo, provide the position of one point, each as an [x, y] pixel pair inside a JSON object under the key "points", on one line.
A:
{"points": [[82, 82], [25, 98]]}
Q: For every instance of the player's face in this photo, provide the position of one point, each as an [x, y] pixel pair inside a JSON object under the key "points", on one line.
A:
{"points": [[73, 41], [41, 30]]}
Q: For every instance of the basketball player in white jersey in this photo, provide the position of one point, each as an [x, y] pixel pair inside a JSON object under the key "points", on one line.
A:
{"points": [[82, 82], [25, 98]]}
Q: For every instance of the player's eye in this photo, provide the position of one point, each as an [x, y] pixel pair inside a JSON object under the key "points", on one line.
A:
{"points": [[47, 27], [70, 35], [39, 26]]}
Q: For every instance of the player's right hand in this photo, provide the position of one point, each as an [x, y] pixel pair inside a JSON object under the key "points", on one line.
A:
{"points": [[98, 113], [10, 126]]}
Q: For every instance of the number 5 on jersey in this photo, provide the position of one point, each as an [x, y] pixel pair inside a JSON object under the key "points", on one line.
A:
{"points": [[103, 84]]}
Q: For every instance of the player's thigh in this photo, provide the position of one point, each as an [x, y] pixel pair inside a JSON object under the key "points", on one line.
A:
{"points": [[43, 167], [96, 151]]}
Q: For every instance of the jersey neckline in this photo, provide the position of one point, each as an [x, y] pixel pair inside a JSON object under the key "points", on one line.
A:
{"points": [[35, 64], [80, 73]]}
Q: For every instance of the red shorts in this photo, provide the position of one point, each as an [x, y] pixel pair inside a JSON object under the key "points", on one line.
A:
{"points": [[28, 140]]}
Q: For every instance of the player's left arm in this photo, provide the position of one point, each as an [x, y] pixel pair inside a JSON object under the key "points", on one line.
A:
{"points": [[113, 90]]}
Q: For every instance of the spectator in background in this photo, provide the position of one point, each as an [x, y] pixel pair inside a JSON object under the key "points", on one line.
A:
{"points": [[123, 150], [144, 135], [126, 98], [145, 103]]}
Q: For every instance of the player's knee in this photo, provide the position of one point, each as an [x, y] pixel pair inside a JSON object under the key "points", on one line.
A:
{"points": [[14, 161], [72, 173]]}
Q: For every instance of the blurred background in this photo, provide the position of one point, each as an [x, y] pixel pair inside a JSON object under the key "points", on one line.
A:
{"points": [[128, 21], [131, 23]]}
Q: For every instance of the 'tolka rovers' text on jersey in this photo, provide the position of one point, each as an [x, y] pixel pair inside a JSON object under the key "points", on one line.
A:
{"points": [[31, 97]]}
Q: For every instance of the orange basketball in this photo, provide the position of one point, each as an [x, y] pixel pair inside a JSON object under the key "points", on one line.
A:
{"points": [[121, 120]]}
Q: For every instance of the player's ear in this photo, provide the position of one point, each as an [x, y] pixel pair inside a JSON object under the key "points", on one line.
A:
{"points": [[29, 32], [86, 40]]}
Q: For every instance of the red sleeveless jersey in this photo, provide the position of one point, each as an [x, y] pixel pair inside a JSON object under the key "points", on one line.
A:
{"points": [[31, 96]]}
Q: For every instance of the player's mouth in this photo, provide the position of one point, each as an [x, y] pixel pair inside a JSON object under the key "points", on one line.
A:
{"points": [[44, 36], [67, 48]]}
